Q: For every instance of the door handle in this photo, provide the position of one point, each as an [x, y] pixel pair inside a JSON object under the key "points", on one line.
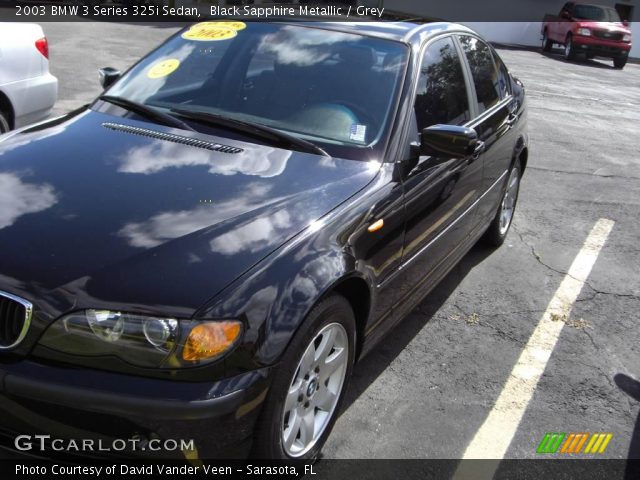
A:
{"points": [[512, 119], [477, 151]]}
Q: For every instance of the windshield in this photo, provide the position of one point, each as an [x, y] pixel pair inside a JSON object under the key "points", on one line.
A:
{"points": [[331, 88], [595, 13]]}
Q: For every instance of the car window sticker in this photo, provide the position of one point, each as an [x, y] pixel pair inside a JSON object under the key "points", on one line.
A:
{"points": [[358, 132], [213, 31], [163, 68]]}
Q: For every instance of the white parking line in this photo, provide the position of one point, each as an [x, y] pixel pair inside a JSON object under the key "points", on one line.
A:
{"points": [[493, 438]]}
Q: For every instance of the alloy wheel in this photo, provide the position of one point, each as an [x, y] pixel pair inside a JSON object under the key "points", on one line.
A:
{"points": [[315, 390], [545, 41], [509, 200], [568, 48], [4, 124]]}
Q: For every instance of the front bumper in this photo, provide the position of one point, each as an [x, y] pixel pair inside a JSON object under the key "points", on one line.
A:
{"points": [[601, 48], [215, 420]]}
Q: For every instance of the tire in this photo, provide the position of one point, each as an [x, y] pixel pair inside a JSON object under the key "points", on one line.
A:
{"points": [[569, 50], [4, 123], [546, 43], [305, 389], [499, 227], [619, 62]]}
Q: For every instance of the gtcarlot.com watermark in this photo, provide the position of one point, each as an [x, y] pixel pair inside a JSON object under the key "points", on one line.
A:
{"points": [[48, 443]]}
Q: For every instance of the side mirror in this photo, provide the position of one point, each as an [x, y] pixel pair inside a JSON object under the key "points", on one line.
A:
{"points": [[448, 140], [108, 76], [625, 23], [566, 15]]}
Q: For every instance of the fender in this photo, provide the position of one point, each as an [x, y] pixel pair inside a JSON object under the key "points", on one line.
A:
{"points": [[275, 297], [522, 143], [274, 300]]}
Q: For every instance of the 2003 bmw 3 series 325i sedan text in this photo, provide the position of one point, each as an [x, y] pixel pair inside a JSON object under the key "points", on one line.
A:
{"points": [[206, 249]]}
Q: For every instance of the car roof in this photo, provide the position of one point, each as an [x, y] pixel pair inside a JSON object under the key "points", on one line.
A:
{"points": [[588, 4], [404, 31]]}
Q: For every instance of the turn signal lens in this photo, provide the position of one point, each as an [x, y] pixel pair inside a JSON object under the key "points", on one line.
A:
{"points": [[210, 339]]}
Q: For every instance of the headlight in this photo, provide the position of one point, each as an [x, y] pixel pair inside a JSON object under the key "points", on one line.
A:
{"points": [[107, 325], [142, 340], [627, 37], [585, 32]]}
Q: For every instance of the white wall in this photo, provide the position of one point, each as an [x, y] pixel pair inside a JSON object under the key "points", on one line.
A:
{"points": [[528, 33], [516, 33], [519, 33]]}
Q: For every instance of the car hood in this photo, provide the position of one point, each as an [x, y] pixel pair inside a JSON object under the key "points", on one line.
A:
{"points": [[104, 212]]}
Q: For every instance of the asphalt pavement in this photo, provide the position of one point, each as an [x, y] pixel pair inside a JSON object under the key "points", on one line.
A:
{"points": [[427, 390]]}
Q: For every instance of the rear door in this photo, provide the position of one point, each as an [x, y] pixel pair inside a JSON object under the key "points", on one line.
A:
{"points": [[494, 104]]}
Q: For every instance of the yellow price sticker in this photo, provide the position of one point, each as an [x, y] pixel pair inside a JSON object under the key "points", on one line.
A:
{"points": [[232, 25], [209, 32], [163, 68]]}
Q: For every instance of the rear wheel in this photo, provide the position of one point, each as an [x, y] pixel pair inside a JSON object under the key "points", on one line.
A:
{"points": [[619, 62], [569, 49], [306, 393], [4, 123], [501, 223], [546, 43]]}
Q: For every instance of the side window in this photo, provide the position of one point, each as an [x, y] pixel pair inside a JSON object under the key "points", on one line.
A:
{"points": [[442, 95], [486, 77], [504, 82]]}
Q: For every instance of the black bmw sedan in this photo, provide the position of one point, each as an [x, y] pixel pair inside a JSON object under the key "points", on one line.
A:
{"points": [[205, 251]]}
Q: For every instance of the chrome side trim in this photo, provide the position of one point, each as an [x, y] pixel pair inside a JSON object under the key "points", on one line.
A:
{"points": [[487, 113], [437, 237], [28, 307]]}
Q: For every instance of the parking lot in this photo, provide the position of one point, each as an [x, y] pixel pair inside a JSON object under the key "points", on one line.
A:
{"points": [[427, 390]]}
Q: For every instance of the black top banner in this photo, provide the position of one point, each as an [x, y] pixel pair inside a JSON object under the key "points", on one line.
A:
{"points": [[265, 10]]}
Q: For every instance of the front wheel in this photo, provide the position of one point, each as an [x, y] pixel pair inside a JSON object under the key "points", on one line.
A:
{"points": [[4, 124], [569, 49], [499, 227], [307, 391], [619, 62], [546, 43]]}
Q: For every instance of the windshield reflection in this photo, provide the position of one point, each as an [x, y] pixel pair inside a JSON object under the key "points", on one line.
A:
{"points": [[330, 88], [302, 47]]}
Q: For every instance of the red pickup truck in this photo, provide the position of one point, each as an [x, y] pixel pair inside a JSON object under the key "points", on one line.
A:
{"points": [[592, 30]]}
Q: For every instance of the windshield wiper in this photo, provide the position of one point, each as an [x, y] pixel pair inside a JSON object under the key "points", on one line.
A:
{"points": [[256, 130], [146, 111]]}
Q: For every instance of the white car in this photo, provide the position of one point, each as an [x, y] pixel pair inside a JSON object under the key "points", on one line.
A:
{"points": [[27, 89]]}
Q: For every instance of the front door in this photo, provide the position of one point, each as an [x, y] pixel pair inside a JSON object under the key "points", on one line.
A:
{"points": [[439, 192]]}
